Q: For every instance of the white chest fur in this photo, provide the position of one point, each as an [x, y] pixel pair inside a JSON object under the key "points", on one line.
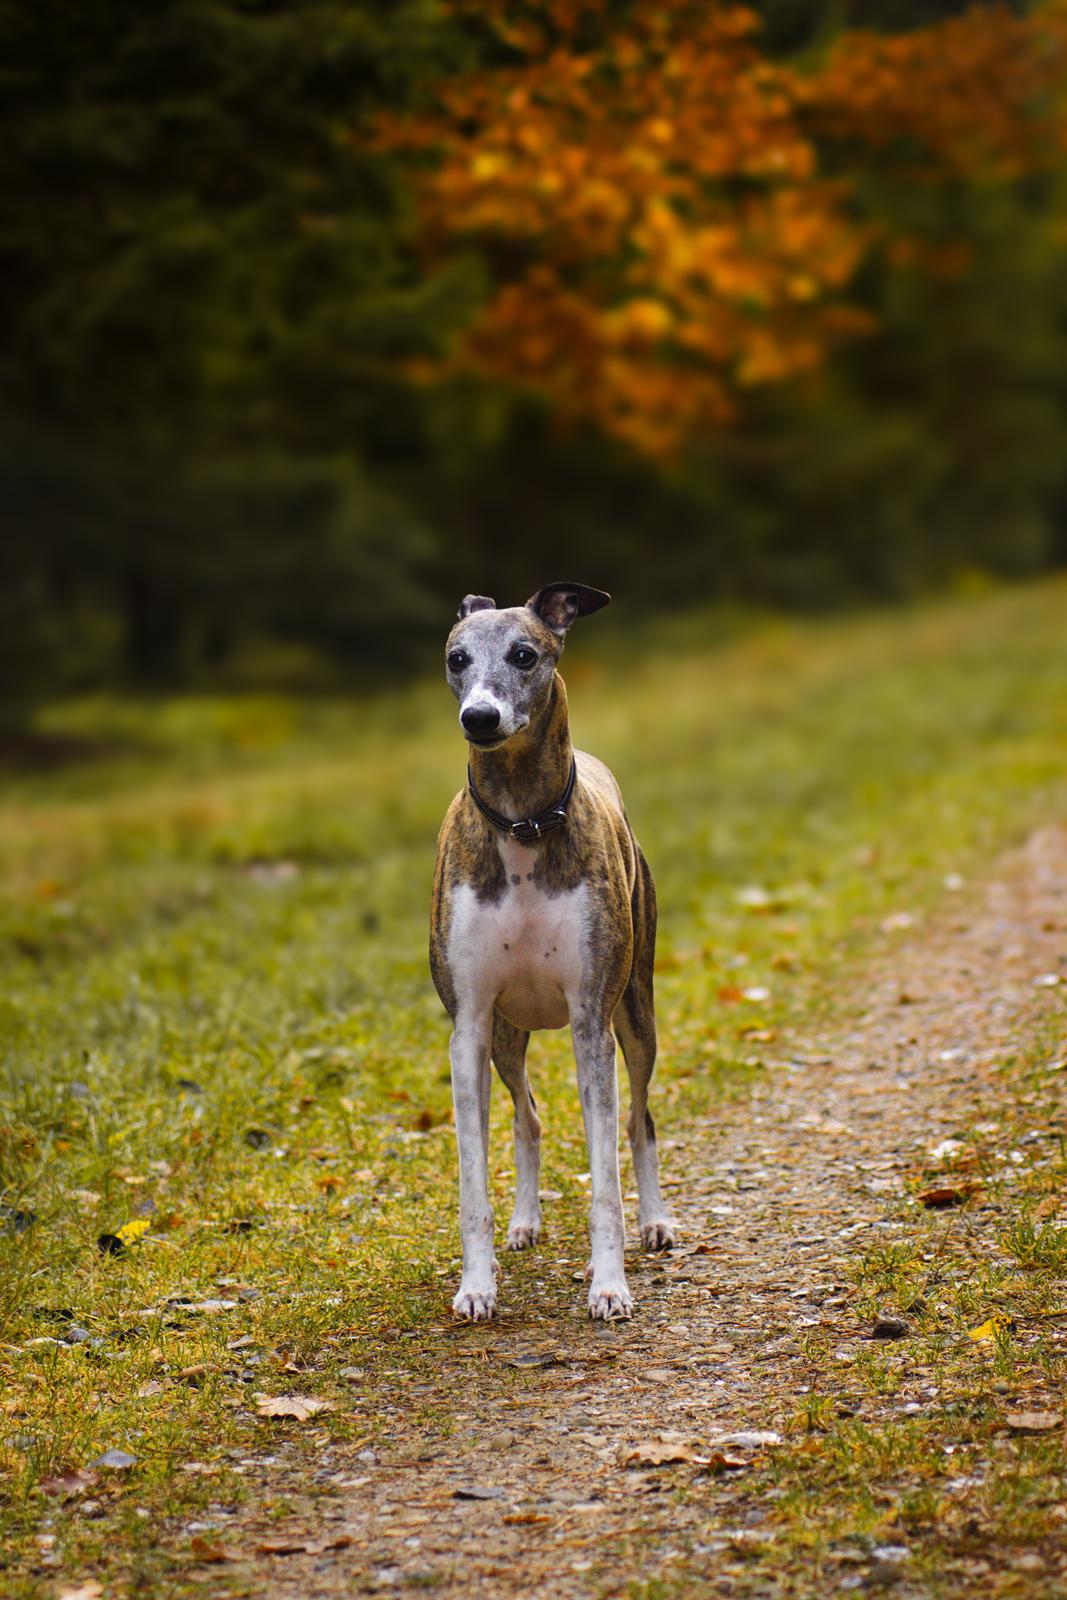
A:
{"points": [[524, 953]]}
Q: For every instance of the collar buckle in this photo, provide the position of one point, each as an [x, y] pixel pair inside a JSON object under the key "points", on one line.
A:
{"points": [[527, 830]]}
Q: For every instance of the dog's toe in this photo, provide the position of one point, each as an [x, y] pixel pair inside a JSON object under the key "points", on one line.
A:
{"points": [[658, 1234], [610, 1302], [473, 1305], [523, 1236]]}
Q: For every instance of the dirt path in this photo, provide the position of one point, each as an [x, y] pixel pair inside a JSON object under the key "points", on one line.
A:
{"points": [[499, 1457]]}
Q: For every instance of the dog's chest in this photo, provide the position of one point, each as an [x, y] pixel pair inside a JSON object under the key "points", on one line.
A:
{"points": [[524, 951]]}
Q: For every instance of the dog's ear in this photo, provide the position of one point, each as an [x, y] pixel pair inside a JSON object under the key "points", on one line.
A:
{"points": [[474, 602], [558, 604]]}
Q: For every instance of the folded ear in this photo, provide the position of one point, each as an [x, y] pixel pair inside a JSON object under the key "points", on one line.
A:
{"points": [[558, 604], [474, 602]]}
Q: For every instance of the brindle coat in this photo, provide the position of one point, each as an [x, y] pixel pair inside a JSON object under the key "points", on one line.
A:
{"points": [[536, 936]]}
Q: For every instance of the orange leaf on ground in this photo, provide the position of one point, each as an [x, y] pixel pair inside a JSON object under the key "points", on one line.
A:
{"points": [[210, 1554]]}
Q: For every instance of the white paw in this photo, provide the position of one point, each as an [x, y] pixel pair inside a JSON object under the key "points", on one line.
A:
{"points": [[610, 1301], [474, 1305], [523, 1235], [658, 1234]]}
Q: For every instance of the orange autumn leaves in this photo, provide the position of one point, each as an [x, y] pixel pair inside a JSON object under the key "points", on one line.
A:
{"points": [[975, 93], [648, 191]]}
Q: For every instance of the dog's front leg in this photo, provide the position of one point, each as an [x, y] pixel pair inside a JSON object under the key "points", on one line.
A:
{"points": [[594, 1049], [469, 1051]]}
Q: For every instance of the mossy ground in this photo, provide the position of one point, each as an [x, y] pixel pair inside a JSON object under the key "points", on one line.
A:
{"points": [[217, 1019]]}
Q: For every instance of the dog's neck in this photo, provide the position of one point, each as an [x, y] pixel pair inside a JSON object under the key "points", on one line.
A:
{"points": [[530, 772]]}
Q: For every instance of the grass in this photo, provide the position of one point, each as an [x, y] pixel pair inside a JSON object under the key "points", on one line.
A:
{"points": [[216, 1016]]}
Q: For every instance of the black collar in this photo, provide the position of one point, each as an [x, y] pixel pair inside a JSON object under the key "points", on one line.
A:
{"points": [[529, 830]]}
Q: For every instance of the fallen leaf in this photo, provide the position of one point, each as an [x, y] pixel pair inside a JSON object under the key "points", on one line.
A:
{"points": [[1034, 1421], [209, 1554], [992, 1328], [297, 1546], [147, 1390], [428, 1119], [890, 1328], [298, 1406], [719, 1461], [752, 1440], [940, 1198], [661, 1453], [526, 1518], [67, 1484], [194, 1375], [84, 1591]]}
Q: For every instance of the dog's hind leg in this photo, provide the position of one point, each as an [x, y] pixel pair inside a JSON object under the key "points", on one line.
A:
{"points": [[509, 1058], [635, 1028]]}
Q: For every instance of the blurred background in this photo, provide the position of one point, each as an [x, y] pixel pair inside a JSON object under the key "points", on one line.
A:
{"points": [[319, 313]]}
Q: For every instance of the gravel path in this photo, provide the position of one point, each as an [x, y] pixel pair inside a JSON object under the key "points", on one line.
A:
{"points": [[504, 1462]]}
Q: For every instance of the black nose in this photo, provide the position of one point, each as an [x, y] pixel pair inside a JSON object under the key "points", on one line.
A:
{"points": [[480, 721]]}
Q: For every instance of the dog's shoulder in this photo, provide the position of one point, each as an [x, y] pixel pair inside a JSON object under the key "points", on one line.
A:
{"points": [[598, 779]]}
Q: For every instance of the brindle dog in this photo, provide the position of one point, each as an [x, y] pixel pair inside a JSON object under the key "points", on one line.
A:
{"points": [[544, 913]]}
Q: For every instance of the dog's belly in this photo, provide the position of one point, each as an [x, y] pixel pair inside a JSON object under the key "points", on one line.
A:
{"points": [[534, 1003], [524, 954]]}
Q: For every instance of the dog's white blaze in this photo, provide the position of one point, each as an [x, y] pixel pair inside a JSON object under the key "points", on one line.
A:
{"points": [[525, 953], [482, 699]]}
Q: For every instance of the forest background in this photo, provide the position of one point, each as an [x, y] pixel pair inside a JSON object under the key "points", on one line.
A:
{"points": [[318, 313]]}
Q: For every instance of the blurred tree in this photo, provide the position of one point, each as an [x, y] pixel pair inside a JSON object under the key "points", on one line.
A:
{"points": [[204, 279], [930, 163], [649, 193]]}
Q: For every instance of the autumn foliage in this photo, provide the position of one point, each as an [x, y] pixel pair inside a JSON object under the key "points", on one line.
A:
{"points": [[669, 216]]}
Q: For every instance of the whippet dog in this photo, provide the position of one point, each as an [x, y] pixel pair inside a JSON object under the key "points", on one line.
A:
{"points": [[544, 913]]}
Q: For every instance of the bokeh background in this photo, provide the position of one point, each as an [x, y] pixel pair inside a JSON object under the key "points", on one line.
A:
{"points": [[319, 313]]}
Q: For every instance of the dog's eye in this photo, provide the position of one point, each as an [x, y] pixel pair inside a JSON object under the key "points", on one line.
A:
{"points": [[457, 660], [524, 657]]}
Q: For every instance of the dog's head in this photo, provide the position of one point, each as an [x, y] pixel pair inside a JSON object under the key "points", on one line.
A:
{"points": [[501, 664]]}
